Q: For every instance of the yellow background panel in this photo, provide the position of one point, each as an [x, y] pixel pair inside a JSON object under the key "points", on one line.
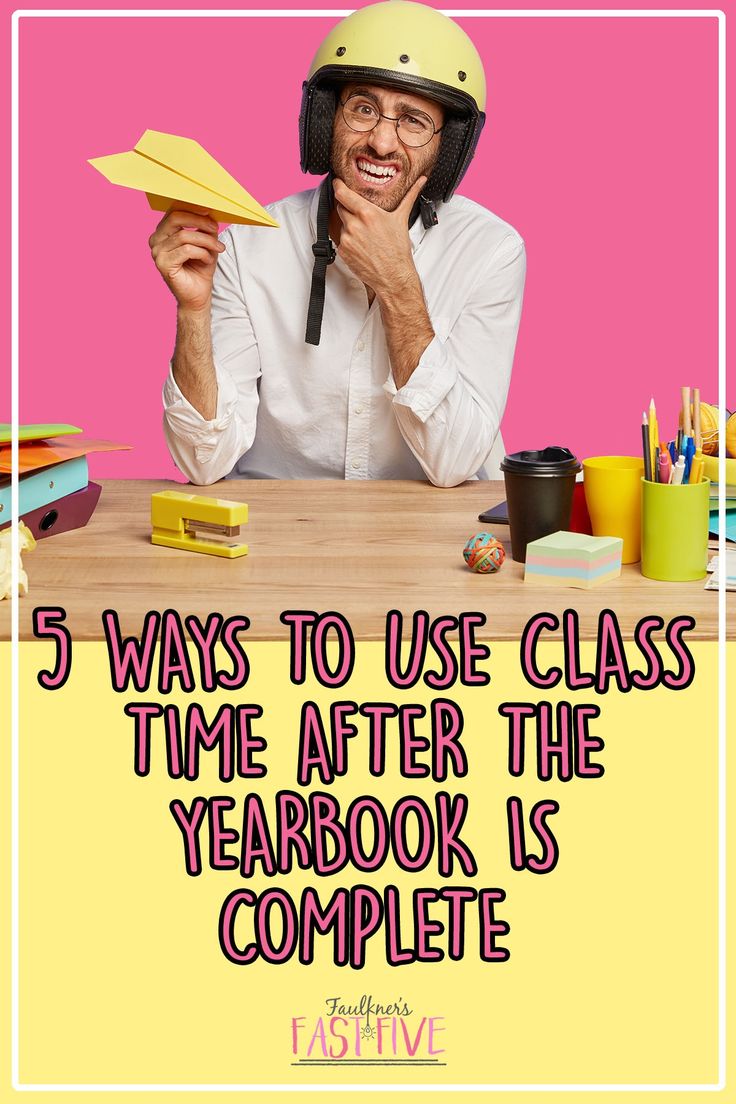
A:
{"points": [[613, 975]]}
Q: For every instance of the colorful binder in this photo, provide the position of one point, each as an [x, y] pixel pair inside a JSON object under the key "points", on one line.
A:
{"points": [[40, 487], [54, 492], [73, 511]]}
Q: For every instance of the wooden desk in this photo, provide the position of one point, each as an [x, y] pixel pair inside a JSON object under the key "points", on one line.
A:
{"points": [[360, 548]]}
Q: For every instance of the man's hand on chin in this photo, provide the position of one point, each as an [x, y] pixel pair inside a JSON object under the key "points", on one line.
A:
{"points": [[375, 243], [375, 246]]}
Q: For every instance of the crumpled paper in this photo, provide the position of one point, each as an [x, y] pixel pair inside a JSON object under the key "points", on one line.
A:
{"points": [[26, 543]]}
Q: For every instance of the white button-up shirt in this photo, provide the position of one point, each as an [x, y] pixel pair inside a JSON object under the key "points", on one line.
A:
{"points": [[288, 410]]}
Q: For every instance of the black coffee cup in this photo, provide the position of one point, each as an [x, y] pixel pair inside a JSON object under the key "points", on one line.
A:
{"points": [[539, 488]]}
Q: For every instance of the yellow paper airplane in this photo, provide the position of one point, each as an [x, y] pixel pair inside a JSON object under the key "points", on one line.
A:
{"points": [[173, 170]]}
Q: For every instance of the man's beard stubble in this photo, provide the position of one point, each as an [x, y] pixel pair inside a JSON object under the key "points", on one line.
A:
{"points": [[343, 160]]}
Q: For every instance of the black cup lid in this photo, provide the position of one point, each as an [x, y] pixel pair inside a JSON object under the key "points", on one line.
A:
{"points": [[553, 460]]}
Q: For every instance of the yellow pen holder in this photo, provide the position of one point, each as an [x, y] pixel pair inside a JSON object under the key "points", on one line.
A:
{"points": [[613, 497], [674, 531]]}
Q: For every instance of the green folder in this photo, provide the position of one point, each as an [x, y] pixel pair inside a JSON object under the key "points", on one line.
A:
{"points": [[35, 432]]}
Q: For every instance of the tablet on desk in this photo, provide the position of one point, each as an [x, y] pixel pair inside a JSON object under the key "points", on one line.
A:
{"points": [[499, 514]]}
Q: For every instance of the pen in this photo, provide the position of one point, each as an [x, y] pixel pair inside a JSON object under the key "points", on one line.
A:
{"points": [[689, 451], [678, 471], [696, 418]]}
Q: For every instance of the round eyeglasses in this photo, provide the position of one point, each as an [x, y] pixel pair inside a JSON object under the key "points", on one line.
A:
{"points": [[413, 128]]}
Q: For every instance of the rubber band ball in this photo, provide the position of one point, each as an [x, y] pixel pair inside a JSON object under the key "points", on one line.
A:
{"points": [[484, 554]]}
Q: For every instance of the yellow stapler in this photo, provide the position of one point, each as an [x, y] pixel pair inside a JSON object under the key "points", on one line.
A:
{"points": [[178, 519]]}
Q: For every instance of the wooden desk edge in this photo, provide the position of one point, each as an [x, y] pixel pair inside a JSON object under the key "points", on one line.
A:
{"points": [[422, 504]]}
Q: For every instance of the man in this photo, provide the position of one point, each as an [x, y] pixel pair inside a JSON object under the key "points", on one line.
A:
{"points": [[411, 326]]}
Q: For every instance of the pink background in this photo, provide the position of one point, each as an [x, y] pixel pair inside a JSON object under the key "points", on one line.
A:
{"points": [[600, 148]]}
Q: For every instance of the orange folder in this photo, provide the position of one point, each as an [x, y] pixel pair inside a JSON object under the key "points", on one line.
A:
{"points": [[39, 454]]}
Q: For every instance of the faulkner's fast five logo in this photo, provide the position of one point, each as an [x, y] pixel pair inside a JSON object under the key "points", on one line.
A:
{"points": [[368, 1031]]}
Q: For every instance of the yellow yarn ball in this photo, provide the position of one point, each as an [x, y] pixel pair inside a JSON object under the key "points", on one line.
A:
{"points": [[731, 436]]}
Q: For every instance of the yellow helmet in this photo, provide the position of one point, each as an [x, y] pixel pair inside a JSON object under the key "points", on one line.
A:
{"points": [[400, 44]]}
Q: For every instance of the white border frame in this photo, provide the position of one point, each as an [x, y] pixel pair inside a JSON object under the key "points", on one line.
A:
{"points": [[718, 1086]]}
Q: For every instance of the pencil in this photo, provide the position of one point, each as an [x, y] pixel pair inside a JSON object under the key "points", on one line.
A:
{"points": [[687, 428], [696, 418], [653, 439], [646, 447]]}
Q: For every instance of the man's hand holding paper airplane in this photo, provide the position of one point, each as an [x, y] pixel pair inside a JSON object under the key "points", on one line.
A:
{"points": [[183, 179], [185, 248]]}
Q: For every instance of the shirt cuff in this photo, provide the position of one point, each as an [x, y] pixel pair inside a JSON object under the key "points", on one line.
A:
{"points": [[187, 423], [428, 384]]}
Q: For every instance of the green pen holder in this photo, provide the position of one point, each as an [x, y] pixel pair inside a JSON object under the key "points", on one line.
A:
{"points": [[674, 531]]}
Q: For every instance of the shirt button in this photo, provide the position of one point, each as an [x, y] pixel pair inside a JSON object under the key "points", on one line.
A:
{"points": [[355, 464], [360, 346]]}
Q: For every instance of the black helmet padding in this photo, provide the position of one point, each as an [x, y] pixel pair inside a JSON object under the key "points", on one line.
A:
{"points": [[458, 138]]}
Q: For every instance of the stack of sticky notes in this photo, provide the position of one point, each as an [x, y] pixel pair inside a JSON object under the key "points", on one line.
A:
{"points": [[717, 568], [55, 493], [573, 559]]}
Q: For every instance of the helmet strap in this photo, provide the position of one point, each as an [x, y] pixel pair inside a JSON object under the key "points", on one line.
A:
{"points": [[324, 254], [428, 212]]}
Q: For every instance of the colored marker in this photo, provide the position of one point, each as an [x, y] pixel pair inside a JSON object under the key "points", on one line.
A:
{"points": [[665, 465], [696, 468]]}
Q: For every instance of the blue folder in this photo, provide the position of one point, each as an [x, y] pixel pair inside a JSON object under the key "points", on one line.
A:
{"points": [[40, 487], [730, 524]]}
